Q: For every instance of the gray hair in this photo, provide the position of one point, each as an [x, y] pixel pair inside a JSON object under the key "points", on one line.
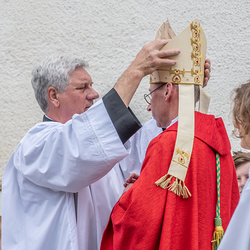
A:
{"points": [[53, 72]]}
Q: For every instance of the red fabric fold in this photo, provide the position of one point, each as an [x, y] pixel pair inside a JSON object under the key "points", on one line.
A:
{"points": [[148, 217]]}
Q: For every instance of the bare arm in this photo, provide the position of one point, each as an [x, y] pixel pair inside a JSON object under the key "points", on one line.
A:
{"points": [[146, 62]]}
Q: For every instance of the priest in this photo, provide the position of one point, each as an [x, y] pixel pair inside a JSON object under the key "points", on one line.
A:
{"points": [[76, 144], [187, 190]]}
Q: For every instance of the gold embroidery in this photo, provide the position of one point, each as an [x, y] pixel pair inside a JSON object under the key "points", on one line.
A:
{"points": [[196, 53], [176, 72], [195, 29], [196, 44], [151, 78], [197, 78], [182, 158], [196, 59], [192, 76]]}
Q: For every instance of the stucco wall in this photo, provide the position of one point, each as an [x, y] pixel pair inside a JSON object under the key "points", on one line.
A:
{"points": [[108, 34]]}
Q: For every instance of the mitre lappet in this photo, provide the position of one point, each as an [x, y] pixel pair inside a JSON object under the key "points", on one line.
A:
{"points": [[187, 72]]}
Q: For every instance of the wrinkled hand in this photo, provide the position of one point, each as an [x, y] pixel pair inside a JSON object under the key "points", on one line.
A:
{"points": [[207, 71], [151, 57]]}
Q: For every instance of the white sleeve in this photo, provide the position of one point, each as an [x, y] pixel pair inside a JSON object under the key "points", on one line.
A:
{"points": [[139, 144], [70, 156], [237, 234]]}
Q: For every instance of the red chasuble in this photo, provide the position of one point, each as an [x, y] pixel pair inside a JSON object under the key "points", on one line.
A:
{"points": [[148, 217]]}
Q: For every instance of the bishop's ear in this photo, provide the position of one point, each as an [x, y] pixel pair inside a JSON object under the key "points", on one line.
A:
{"points": [[53, 96], [168, 90]]}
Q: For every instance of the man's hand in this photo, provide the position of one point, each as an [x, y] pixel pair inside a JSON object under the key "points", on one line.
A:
{"points": [[129, 181], [150, 58], [207, 71]]}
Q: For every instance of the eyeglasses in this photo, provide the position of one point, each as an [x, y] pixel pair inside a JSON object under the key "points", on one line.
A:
{"points": [[147, 97]]}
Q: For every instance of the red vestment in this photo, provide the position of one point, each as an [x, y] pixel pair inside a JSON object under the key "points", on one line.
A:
{"points": [[149, 217]]}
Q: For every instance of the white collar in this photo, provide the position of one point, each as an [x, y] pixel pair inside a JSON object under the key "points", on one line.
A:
{"points": [[173, 121]]}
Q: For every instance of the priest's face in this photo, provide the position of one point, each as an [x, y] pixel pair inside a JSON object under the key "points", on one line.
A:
{"points": [[78, 96]]}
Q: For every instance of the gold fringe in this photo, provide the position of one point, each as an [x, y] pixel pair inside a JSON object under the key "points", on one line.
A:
{"points": [[162, 182], [217, 237], [174, 186], [178, 187], [185, 192], [162, 179], [166, 183]]}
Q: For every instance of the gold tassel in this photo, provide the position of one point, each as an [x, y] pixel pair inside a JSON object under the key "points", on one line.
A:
{"points": [[179, 190], [185, 192], [162, 182], [162, 179], [174, 186], [178, 187], [218, 234]]}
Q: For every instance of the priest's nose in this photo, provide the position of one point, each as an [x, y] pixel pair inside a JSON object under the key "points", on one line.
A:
{"points": [[92, 95]]}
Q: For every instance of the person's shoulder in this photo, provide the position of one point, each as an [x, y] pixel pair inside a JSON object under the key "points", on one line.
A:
{"points": [[149, 123], [209, 119], [212, 131], [41, 130], [43, 126], [166, 138], [150, 129], [151, 126]]}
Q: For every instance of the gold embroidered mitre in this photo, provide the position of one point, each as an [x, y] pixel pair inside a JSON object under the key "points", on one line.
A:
{"points": [[189, 68], [187, 72]]}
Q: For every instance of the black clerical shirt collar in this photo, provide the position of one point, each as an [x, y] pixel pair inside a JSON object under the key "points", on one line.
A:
{"points": [[47, 119]]}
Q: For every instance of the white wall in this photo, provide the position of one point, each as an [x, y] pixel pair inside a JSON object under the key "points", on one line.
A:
{"points": [[108, 34]]}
